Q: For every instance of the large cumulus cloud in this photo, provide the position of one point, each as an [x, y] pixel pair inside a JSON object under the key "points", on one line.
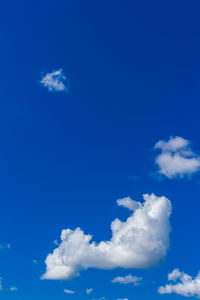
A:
{"points": [[139, 242]]}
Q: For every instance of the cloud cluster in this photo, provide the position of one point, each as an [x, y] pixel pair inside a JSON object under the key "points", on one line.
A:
{"points": [[139, 242], [176, 158], [127, 279], [182, 284], [55, 81]]}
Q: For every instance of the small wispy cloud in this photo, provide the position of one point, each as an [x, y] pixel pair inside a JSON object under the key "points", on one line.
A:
{"points": [[89, 291], [55, 81], [56, 242], [5, 246], [127, 279], [1, 285], [34, 261], [68, 291], [12, 288], [129, 203]]}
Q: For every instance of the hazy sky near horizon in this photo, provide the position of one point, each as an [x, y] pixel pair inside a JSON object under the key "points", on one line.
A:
{"points": [[100, 150]]}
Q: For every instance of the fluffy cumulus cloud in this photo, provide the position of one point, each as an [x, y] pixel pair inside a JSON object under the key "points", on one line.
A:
{"points": [[139, 242], [122, 299], [55, 81], [176, 158], [68, 291], [182, 284], [135, 280]]}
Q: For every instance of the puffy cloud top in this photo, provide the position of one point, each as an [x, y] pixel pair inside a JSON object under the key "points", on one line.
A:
{"points": [[139, 242], [176, 158]]}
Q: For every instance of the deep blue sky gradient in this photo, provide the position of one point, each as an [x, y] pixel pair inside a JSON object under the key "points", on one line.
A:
{"points": [[134, 71]]}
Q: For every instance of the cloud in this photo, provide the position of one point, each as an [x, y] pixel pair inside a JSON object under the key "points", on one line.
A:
{"points": [[139, 242], [127, 279], [176, 158], [122, 299], [55, 81], [68, 291], [13, 288], [182, 284], [89, 291], [1, 285], [34, 261], [5, 246], [128, 203], [56, 242]]}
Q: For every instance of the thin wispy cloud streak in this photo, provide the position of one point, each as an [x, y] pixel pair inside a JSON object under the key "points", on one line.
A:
{"points": [[66, 291]]}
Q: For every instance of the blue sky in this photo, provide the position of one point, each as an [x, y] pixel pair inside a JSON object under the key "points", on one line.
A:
{"points": [[129, 78]]}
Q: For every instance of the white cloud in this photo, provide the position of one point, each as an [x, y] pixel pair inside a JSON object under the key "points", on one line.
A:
{"points": [[89, 291], [175, 274], [127, 279], [68, 291], [13, 288], [55, 81], [128, 203], [122, 299], [182, 284], [139, 242], [176, 158]]}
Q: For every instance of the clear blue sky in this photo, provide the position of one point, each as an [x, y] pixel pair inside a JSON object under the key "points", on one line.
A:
{"points": [[65, 158]]}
